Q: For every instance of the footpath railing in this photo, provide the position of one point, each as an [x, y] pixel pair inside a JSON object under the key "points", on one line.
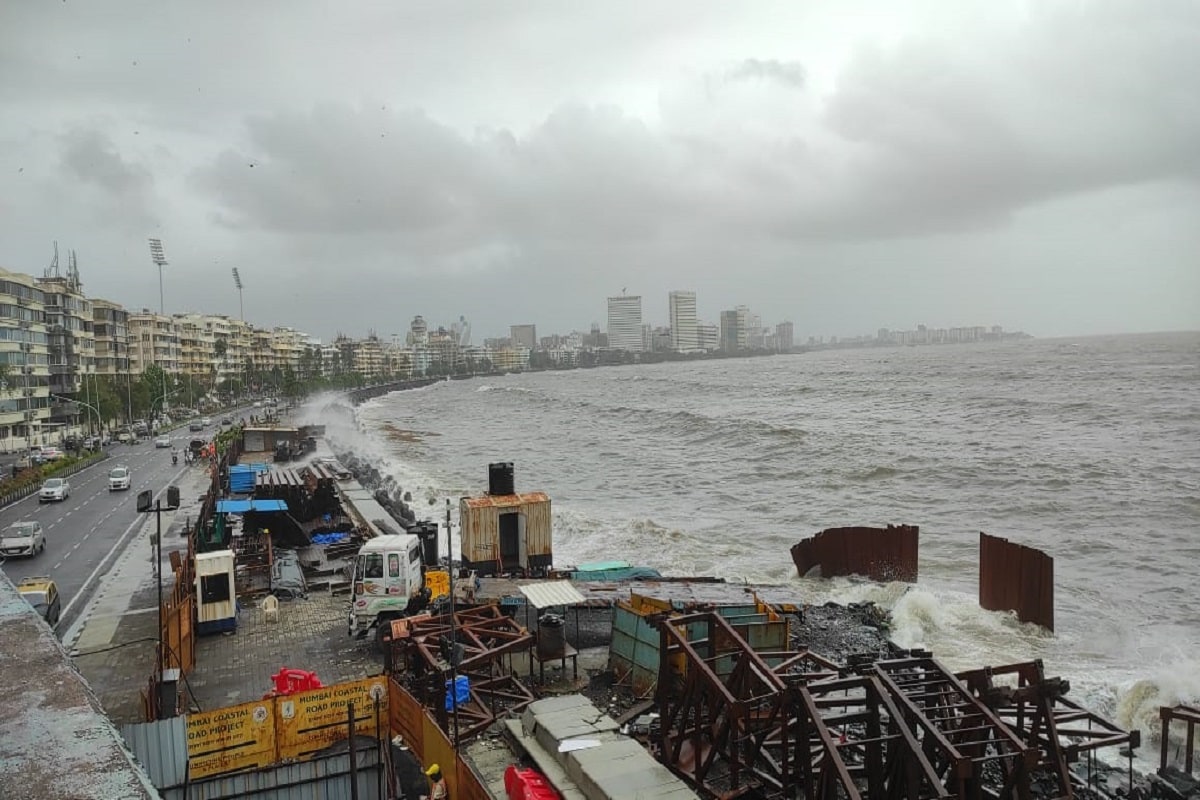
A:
{"points": [[10, 496]]}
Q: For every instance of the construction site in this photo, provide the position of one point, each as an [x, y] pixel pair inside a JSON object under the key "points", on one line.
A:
{"points": [[597, 682]]}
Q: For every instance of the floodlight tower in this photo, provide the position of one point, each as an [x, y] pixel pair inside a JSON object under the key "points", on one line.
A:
{"points": [[237, 281], [156, 256]]}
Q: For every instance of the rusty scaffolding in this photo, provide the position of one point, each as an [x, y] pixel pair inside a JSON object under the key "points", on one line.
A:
{"points": [[735, 722], [484, 636]]}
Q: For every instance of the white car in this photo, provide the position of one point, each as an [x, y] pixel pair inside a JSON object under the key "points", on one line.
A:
{"points": [[118, 479], [24, 538], [206, 421], [162, 441], [54, 489]]}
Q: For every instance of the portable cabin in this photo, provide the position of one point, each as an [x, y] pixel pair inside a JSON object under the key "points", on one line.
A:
{"points": [[507, 533], [216, 609]]}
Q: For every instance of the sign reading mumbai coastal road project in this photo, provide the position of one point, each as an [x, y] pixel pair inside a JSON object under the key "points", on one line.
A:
{"points": [[231, 739], [310, 721]]}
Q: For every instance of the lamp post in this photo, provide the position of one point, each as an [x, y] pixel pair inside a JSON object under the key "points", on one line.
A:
{"points": [[144, 500], [88, 406], [453, 635]]}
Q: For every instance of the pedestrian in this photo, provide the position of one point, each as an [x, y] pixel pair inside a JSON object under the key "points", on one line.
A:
{"points": [[437, 784]]}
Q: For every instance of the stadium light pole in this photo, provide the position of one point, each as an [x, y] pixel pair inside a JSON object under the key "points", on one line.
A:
{"points": [[237, 281], [156, 256]]}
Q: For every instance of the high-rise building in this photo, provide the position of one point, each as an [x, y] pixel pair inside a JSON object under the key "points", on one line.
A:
{"points": [[784, 336], [708, 336], [523, 336], [625, 323], [683, 321], [732, 334]]}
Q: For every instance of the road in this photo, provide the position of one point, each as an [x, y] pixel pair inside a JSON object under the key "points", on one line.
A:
{"points": [[85, 532]]}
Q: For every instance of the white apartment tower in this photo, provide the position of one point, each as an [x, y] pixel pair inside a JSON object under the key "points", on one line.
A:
{"points": [[684, 337], [625, 323]]}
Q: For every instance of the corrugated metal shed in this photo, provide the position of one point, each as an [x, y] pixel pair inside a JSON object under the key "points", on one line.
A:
{"points": [[552, 593], [161, 748], [491, 543]]}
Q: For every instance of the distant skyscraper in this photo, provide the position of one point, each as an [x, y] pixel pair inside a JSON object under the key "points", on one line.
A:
{"points": [[683, 322], [625, 323], [731, 337], [523, 336], [784, 336]]}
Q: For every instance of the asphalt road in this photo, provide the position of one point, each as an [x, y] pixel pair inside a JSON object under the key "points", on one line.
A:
{"points": [[85, 532]]}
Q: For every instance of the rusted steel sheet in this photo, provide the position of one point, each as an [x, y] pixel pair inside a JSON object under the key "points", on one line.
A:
{"points": [[881, 554], [1013, 577], [1188, 715]]}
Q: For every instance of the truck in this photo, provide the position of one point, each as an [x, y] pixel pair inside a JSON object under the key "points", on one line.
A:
{"points": [[392, 580]]}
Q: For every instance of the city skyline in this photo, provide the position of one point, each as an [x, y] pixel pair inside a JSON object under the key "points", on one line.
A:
{"points": [[843, 170]]}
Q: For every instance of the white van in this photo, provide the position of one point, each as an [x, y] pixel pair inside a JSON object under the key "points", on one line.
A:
{"points": [[387, 577]]}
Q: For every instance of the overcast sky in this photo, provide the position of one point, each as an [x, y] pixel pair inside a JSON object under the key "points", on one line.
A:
{"points": [[846, 166]]}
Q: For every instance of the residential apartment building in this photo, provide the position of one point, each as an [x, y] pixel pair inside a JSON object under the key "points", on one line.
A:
{"points": [[708, 337], [25, 360], [70, 345], [731, 333], [682, 309], [625, 323], [110, 328], [153, 340]]}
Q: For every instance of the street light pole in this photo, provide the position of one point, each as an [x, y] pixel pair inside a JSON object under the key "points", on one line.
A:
{"points": [[144, 507]]}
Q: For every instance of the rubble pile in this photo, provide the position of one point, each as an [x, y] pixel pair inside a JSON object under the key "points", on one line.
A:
{"points": [[837, 631]]}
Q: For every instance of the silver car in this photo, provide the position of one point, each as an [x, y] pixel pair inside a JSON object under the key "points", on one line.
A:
{"points": [[24, 538], [54, 489]]}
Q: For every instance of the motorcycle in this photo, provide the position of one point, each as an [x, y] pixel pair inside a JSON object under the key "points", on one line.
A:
{"points": [[175, 459]]}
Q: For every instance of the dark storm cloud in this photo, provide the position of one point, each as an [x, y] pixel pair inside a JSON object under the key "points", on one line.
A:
{"points": [[786, 155], [921, 138], [92, 157]]}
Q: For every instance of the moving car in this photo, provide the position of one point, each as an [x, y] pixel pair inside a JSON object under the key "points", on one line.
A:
{"points": [[206, 421], [227, 421], [118, 479], [23, 538], [54, 489], [162, 441], [42, 593], [195, 425]]}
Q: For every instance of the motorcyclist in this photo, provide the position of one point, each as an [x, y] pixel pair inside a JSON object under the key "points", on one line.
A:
{"points": [[174, 456]]}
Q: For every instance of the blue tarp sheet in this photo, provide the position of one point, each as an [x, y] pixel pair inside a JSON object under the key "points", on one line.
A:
{"points": [[252, 504]]}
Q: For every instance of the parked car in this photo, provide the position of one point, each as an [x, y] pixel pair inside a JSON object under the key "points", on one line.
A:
{"points": [[23, 538], [51, 454], [118, 479], [42, 593], [54, 489], [162, 441]]}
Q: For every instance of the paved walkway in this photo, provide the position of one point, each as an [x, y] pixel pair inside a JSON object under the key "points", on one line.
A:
{"points": [[113, 642]]}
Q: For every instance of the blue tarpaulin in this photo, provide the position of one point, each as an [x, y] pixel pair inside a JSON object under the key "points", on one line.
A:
{"points": [[460, 695], [252, 504]]}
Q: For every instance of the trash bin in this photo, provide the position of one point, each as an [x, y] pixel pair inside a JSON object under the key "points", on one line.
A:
{"points": [[550, 642]]}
